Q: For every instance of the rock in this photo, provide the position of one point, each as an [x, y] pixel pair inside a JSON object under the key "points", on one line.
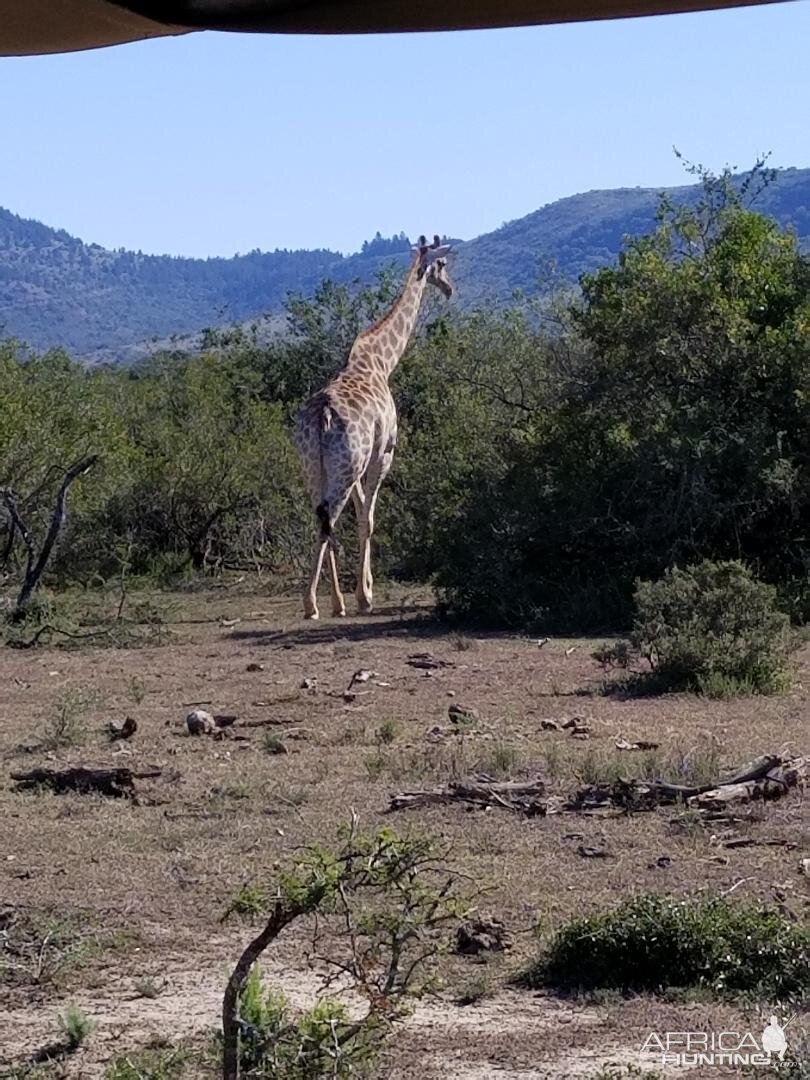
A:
{"points": [[199, 722], [361, 676], [592, 852], [549, 725], [482, 935], [126, 731], [309, 683], [463, 715], [255, 667]]}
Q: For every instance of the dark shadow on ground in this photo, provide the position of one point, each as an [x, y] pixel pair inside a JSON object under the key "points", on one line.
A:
{"points": [[393, 621], [385, 623]]}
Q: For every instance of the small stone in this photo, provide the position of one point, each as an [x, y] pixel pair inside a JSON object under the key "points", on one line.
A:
{"points": [[255, 667], [481, 935], [592, 852], [309, 683], [463, 715], [199, 722], [549, 725], [361, 676]]}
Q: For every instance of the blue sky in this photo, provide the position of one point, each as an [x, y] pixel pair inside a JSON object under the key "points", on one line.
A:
{"points": [[215, 143]]}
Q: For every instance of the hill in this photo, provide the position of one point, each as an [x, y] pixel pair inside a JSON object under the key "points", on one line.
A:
{"points": [[57, 290]]}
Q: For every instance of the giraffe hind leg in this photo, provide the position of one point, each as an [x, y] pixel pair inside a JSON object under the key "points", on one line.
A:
{"points": [[328, 510]]}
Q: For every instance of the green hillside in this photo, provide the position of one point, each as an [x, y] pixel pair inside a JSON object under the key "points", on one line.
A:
{"points": [[58, 290], [579, 234]]}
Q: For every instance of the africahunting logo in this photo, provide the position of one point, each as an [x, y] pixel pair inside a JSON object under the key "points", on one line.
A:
{"points": [[734, 1048]]}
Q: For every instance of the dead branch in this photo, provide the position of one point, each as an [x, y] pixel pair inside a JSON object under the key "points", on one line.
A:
{"points": [[772, 784], [271, 721], [523, 797], [767, 777], [117, 783], [38, 560]]}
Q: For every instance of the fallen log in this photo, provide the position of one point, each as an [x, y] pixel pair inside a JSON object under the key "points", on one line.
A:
{"points": [[775, 773], [750, 841], [772, 784], [116, 783], [523, 797]]}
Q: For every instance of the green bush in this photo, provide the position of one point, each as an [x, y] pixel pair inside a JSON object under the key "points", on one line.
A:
{"points": [[653, 942], [76, 1027], [277, 1044], [712, 628]]}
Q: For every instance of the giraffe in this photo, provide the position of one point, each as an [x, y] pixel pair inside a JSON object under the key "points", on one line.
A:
{"points": [[347, 431]]}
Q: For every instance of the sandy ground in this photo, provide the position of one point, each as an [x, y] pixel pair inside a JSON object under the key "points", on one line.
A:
{"points": [[147, 882]]}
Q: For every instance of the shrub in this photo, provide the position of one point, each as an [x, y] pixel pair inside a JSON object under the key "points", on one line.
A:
{"points": [[712, 628], [476, 989], [275, 1042], [76, 1027], [651, 942], [389, 899]]}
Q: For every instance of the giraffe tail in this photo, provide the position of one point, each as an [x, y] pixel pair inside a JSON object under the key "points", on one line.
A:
{"points": [[322, 513], [322, 509]]}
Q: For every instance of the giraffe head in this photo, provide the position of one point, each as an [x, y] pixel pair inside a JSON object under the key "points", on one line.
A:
{"points": [[433, 264]]}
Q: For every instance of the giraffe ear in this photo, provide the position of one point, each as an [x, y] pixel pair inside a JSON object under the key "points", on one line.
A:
{"points": [[436, 252]]}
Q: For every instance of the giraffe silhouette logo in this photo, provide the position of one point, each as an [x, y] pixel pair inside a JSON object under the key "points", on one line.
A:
{"points": [[774, 1042]]}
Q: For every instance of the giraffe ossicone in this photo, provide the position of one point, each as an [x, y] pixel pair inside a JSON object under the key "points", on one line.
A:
{"points": [[346, 433]]}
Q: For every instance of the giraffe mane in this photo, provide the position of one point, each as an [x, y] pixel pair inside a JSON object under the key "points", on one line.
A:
{"points": [[383, 319]]}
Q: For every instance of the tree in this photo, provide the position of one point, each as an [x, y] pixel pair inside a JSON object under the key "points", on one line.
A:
{"points": [[682, 432], [385, 899]]}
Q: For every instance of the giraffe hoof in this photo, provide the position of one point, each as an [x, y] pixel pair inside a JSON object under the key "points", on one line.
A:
{"points": [[339, 614], [312, 616]]}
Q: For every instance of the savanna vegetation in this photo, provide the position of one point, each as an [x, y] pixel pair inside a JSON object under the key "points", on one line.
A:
{"points": [[550, 455]]}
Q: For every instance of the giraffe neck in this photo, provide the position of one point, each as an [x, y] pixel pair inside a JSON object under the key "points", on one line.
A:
{"points": [[387, 339]]}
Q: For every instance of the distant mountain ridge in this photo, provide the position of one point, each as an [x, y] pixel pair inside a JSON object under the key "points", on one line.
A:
{"points": [[58, 290]]}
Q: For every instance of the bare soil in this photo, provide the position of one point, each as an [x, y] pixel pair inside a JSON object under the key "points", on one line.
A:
{"points": [[144, 884]]}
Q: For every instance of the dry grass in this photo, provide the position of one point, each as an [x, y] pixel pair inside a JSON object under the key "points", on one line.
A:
{"points": [[154, 878]]}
